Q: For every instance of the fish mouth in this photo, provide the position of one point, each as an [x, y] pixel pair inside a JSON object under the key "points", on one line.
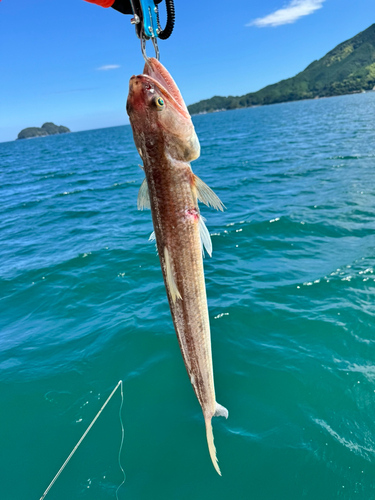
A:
{"points": [[157, 73], [155, 77]]}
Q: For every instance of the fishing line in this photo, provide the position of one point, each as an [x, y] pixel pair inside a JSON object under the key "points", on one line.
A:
{"points": [[119, 384], [122, 441]]}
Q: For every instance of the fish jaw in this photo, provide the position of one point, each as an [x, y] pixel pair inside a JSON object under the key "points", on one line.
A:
{"points": [[156, 70], [168, 122]]}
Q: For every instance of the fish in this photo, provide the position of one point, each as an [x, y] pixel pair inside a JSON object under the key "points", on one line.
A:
{"points": [[166, 140]]}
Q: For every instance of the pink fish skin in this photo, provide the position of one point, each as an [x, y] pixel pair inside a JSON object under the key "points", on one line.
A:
{"points": [[166, 141]]}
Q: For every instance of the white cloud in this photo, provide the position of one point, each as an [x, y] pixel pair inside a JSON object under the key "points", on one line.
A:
{"points": [[108, 66], [288, 14]]}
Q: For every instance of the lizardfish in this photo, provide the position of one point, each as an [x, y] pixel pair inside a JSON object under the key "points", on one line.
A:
{"points": [[166, 141]]}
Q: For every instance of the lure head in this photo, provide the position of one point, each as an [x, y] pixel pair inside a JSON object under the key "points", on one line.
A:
{"points": [[158, 114]]}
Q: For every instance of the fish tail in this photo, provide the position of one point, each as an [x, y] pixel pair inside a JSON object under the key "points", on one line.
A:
{"points": [[220, 411], [210, 442]]}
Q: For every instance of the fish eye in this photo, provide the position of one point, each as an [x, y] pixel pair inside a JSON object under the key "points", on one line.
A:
{"points": [[159, 103]]}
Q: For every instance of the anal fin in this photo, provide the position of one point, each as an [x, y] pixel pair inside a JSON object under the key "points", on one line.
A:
{"points": [[172, 287]]}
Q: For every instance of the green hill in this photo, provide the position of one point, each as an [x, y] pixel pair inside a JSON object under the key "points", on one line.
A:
{"points": [[348, 68], [48, 128]]}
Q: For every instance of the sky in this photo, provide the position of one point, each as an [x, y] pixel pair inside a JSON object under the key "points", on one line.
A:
{"points": [[69, 61]]}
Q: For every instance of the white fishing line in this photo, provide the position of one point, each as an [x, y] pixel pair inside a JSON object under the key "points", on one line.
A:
{"points": [[85, 434], [122, 441]]}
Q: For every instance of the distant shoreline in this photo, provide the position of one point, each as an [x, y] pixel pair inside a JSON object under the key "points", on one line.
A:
{"points": [[347, 69], [357, 92], [210, 112], [46, 129]]}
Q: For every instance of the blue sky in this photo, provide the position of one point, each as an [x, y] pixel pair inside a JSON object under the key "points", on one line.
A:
{"points": [[51, 52]]}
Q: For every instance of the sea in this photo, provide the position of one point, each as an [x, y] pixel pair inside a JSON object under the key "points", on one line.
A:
{"points": [[291, 298]]}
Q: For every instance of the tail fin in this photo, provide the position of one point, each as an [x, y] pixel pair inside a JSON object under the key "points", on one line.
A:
{"points": [[211, 446], [223, 412]]}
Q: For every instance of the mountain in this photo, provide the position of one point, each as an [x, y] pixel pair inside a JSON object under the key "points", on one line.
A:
{"points": [[48, 128], [347, 69]]}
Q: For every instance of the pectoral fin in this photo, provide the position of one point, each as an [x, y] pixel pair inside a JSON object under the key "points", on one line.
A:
{"points": [[206, 195], [143, 200], [172, 287]]}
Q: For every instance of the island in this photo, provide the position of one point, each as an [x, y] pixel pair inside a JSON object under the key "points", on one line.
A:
{"points": [[48, 128], [347, 69]]}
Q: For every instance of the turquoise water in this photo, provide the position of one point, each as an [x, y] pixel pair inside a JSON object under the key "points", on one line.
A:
{"points": [[291, 298]]}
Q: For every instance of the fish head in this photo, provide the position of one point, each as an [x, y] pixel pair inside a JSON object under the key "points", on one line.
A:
{"points": [[158, 114]]}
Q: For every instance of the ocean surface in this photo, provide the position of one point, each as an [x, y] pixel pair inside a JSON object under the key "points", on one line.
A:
{"points": [[291, 296]]}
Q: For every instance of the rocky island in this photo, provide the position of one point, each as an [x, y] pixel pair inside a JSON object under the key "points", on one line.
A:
{"points": [[48, 128]]}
